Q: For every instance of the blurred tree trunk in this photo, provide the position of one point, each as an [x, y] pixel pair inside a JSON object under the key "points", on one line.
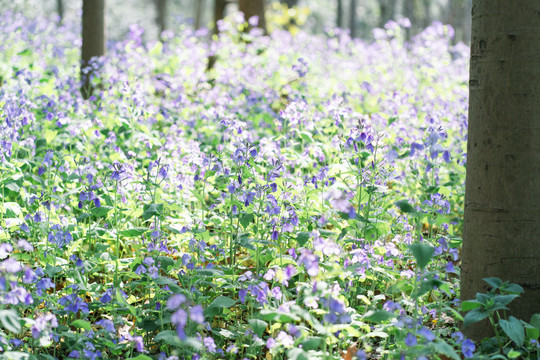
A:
{"points": [[60, 9], [161, 15], [352, 18], [409, 11], [93, 40], [199, 7], [426, 13], [339, 14], [501, 234], [219, 13], [252, 8], [467, 24], [290, 3], [387, 8]]}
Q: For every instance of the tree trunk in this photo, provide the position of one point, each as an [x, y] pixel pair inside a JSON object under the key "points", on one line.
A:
{"points": [[409, 11], [501, 235], [219, 13], [60, 9], [387, 8], [290, 3], [161, 15], [93, 40], [339, 14], [253, 8], [199, 7], [352, 18], [467, 22]]}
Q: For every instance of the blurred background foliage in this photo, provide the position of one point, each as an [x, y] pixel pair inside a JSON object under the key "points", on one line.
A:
{"points": [[315, 16]]}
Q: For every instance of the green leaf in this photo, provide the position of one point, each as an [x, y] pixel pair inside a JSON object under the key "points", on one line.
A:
{"points": [[504, 299], [513, 354], [140, 357], [378, 316], [422, 253], [494, 282], [513, 288], [222, 302], [169, 337], [535, 321], [101, 211], [514, 329], [258, 326], [82, 324], [474, 316], [12, 209], [150, 210], [246, 219], [10, 320], [302, 238], [446, 350], [134, 232], [311, 343], [469, 305], [299, 354], [405, 206], [426, 286]]}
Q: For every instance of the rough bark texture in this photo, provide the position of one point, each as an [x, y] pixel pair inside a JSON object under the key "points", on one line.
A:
{"points": [[161, 15], [253, 8], [339, 14], [93, 40], [501, 236], [352, 18]]}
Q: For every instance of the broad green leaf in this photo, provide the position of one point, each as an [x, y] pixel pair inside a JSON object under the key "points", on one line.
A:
{"points": [[222, 302], [101, 211], [474, 316], [504, 299], [535, 321], [258, 326], [405, 206], [513, 354], [138, 231], [494, 282], [378, 316], [140, 357], [422, 253], [469, 305], [246, 219], [15, 355], [169, 337], [311, 343], [82, 324], [10, 320], [302, 238], [445, 349], [150, 210], [514, 329]]}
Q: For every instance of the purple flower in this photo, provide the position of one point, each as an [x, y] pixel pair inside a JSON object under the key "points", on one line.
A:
{"points": [[11, 265], [5, 250], [270, 343], [425, 332], [138, 342], [107, 324], [242, 295], [410, 340], [196, 314], [175, 301], [310, 261], [467, 348], [210, 344]]}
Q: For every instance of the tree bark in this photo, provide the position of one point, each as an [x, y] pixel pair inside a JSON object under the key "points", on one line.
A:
{"points": [[199, 7], [93, 40], [253, 8], [352, 18], [219, 13], [339, 14], [387, 9], [501, 235], [161, 15], [60, 9]]}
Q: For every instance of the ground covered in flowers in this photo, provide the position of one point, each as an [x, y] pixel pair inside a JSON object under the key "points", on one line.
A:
{"points": [[302, 199]]}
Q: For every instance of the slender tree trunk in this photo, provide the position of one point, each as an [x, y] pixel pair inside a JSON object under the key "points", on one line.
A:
{"points": [[339, 14], [199, 7], [467, 22], [352, 18], [93, 40], [409, 11], [252, 8], [387, 8], [501, 235], [60, 9], [161, 15], [219, 13]]}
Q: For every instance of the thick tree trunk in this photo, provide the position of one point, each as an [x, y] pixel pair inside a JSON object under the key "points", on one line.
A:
{"points": [[161, 15], [339, 14], [387, 8], [352, 18], [253, 8], [501, 236], [93, 40], [199, 7], [60, 9]]}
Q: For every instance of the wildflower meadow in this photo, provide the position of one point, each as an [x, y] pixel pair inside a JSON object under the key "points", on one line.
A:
{"points": [[303, 199]]}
